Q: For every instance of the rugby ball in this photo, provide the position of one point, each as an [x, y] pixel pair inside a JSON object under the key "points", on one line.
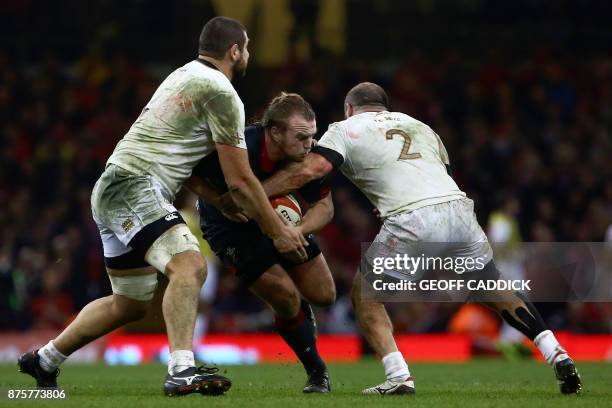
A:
{"points": [[288, 208]]}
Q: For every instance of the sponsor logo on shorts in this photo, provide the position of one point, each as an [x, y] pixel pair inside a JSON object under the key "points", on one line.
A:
{"points": [[171, 216], [127, 225]]}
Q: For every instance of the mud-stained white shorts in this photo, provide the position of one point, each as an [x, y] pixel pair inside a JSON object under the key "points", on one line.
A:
{"points": [[131, 211], [435, 233]]}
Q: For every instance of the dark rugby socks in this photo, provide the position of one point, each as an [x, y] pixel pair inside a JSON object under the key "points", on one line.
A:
{"points": [[528, 321], [300, 334]]}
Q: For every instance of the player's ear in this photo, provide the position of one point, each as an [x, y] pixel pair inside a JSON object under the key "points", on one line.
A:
{"points": [[275, 133], [348, 110], [234, 53]]}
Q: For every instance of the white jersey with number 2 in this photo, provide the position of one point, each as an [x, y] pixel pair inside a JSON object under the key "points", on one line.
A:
{"points": [[397, 161]]}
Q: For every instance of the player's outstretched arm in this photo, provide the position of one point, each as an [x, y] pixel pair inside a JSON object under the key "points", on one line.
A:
{"points": [[317, 216], [295, 175], [249, 194]]}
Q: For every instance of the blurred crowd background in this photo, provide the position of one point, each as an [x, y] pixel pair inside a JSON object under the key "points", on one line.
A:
{"points": [[520, 92]]}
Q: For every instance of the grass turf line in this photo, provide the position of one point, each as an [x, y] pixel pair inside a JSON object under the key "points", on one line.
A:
{"points": [[475, 384]]}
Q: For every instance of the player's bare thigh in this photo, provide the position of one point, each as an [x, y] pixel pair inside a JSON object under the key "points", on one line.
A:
{"points": [[278, 290], [314, 281]]}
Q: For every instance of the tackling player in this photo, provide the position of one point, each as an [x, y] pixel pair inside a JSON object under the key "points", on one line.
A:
{"points": [[285, 135], [194, 112], [401, 165]]}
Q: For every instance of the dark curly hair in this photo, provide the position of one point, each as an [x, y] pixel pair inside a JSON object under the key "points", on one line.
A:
{"points": [[219, 35]]}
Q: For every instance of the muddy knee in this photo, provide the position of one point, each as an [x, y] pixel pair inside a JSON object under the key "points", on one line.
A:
{"points": [[177, 253], [187, 266]]}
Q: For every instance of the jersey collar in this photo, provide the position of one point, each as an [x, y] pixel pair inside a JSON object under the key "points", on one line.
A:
{"points": [[207, 63], [267, 164]]}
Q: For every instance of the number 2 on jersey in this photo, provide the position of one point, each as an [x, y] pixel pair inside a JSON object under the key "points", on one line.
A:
{"points": [[404, 155]]}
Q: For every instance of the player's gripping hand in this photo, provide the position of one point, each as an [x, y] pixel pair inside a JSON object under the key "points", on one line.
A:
{"points": [[290, 243], [230, 209], [227, 203]]}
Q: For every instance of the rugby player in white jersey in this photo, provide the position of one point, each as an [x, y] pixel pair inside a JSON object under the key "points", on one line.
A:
{"points": [[193, 112], [401, 165]]}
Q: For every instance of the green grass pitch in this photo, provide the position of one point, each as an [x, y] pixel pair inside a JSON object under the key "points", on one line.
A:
{"points": [[487, 383]]}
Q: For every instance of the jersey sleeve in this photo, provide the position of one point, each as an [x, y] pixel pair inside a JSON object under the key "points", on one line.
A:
{"points": [[335, 139], [443, 154], [225, 114], [330, 155], [315, 190]]}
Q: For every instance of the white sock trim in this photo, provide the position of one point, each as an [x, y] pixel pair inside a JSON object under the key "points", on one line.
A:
{"points": [[180, 360], [50, 357], [550, 348], [538, 339], [395, 366]]}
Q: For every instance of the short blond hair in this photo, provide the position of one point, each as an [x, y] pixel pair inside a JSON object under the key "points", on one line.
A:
{"points": [[283, 106]]}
